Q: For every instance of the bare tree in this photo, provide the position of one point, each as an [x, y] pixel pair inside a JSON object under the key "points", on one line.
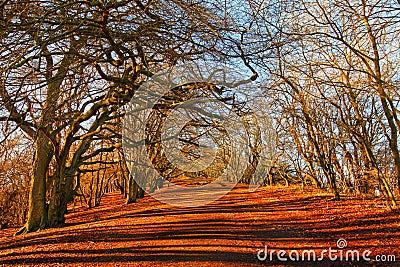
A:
{"points": [[67, 67]]}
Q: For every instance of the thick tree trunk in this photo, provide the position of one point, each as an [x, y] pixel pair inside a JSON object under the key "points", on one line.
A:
{"points": [[37, 215], [44, 150], [253, 131], [132, 191], [60, 196]]}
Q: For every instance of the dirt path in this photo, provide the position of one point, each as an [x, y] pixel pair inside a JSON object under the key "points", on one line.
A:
{"points": [[227, 232]]}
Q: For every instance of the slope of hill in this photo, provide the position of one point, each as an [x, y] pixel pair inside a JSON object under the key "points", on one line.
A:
{"points": [[227, 232]]}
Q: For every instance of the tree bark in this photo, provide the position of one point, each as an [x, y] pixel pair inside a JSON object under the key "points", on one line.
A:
{"points": [[37, 215], [132, 191], [60, 196]]}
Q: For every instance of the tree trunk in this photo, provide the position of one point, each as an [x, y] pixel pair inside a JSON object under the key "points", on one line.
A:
{"points": [[386, 101], [60, 196], [44, 150], [140, 193], [37, 215], [132, 190]]}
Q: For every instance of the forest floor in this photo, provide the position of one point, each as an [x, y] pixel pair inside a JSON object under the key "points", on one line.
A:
{"points": [[227, 232]]}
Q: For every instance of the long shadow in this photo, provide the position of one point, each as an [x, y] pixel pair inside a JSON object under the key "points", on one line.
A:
{"points": [[263, 229]]}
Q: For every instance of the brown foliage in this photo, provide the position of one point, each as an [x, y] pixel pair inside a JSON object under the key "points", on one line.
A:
{"points": [[15, 159]]}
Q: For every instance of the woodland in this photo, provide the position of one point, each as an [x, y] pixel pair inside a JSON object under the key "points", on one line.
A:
{"points": [[329, 77]]}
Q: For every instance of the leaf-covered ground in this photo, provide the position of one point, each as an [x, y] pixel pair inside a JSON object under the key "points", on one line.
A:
{"points": [[227, 232]]}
